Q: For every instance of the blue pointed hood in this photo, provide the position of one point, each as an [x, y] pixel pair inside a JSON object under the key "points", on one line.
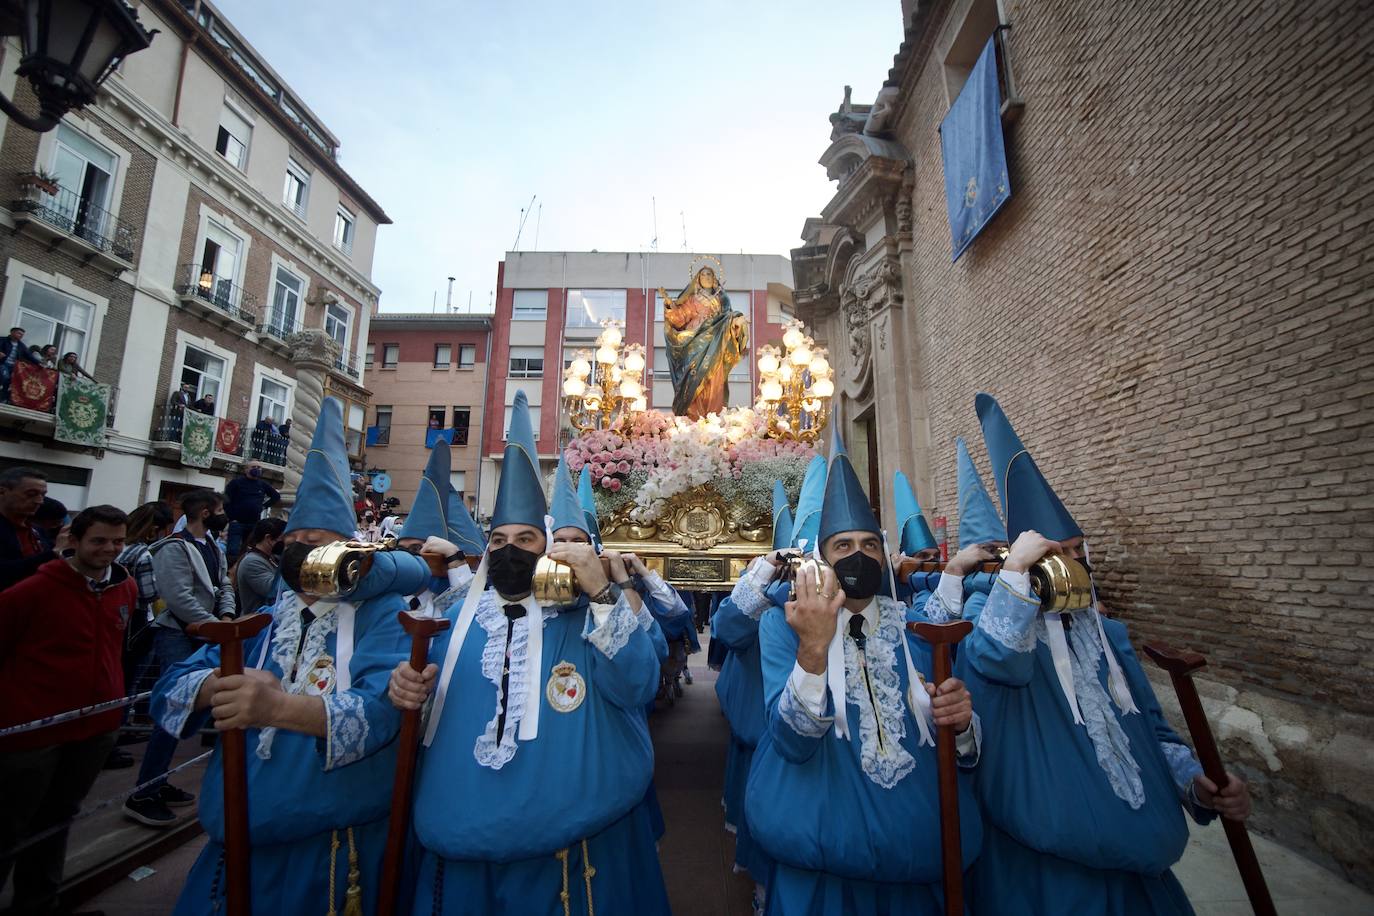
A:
{"points": [[915, 533], [587, 500], [429, 512], [846, 506], [1028, 501], [520, 494], [782, 517], [463, 531], [806, 521], [564, 505], [979, 522], [324, 497]]}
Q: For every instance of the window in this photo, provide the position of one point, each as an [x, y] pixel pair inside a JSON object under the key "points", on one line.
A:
{"points": [[658, 306], [526, 362], [661, 363], [204, 372], [462, 417], [272, 398], [436, 417], [587, 307], [370, 357], [51, 317], [534, 421], [467, 355], [383, 416], [219, 264], [85, 173], [740, 301], [458, 480], [443, 354], [530, 305], [344, 222], [286, 301], [353, 428], [297, 190], [232, 140], [390, 354], [336, 321]]}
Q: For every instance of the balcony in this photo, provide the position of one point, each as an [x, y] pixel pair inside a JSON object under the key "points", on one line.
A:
{"points": [[274, 333], [66, 220], [267, 447], [216, 298], [36, 414], [454, 436], [260, 445], [378, 435], [346, 363]]}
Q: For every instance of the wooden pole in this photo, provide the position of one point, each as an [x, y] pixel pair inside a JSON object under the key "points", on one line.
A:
{"points": [[421, 630], [229, 635], [941, 636], [1181, 665]]}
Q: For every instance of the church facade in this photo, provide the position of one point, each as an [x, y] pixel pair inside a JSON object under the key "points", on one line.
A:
{"points": [[1174, 305]]}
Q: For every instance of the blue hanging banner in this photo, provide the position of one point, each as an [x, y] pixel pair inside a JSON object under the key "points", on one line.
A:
{"points": [[433, 436], [975, 157]]}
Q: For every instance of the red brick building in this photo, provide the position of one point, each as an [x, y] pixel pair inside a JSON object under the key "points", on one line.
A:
{"points": [[1176, 309]]}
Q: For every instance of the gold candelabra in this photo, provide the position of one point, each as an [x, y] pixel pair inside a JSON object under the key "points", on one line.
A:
{"points": [[605, 389], [795, 386]]}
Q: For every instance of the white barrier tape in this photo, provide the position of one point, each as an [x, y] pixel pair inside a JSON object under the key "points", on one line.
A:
{"points": [[74, 714], [98, 806]]}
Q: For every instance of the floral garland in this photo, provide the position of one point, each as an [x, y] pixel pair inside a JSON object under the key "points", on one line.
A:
{"points": [[661, 456]]}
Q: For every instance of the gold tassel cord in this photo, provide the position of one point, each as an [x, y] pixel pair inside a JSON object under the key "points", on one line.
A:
{"points": [[587, 873], [562, 856], [333, 855], [353, 901]]}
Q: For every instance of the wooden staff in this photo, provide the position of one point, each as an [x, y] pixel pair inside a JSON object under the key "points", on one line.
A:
{"points": [[229, 635], [941, 636], [1181, 665], [421, 630]]}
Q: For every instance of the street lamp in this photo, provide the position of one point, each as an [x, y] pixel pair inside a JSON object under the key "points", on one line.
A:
{"points": [[70, 47]]}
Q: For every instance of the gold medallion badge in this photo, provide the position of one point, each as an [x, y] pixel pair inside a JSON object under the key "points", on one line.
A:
{"points": [[566, 689], [319, 680]]}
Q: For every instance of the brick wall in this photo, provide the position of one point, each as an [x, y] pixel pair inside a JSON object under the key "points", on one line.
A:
{"points": [[1176, 309]]}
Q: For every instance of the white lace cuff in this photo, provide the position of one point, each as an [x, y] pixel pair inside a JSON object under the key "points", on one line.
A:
{"points": [[1182, 765], [459, 575], [346, 729], [809, 688], [662, 590], [1010, 620], [181, 701], [801, 720], [749, 594], [613, 626], [949, 597]]}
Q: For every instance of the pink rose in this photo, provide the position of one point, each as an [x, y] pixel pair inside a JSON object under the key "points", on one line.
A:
{"points": [[615, 484], [624, 467], [608, 481]]}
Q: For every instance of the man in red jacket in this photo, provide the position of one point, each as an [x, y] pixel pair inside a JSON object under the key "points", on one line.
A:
{"points": [[61, 633]]}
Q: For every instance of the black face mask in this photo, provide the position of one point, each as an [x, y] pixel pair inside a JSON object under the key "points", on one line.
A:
{"points": [[859, 575], [278, 548], [217, 522], [292, 558], [511, 569]]}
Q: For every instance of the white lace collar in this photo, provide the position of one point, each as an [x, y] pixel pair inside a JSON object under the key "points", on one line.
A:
{"points": [[492, 618]]}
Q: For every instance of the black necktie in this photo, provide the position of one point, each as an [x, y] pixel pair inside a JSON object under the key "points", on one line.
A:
{"points": [[856, 630], [513, 613], [307, 618]]}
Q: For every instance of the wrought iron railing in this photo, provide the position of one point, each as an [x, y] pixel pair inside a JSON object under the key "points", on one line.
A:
{"points": [[278, 327], [379, 435], [347, 362], [221, 292], [267, 447], [70, 212], [50, 405]]}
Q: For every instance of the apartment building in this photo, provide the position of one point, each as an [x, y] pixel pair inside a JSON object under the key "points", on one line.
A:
{"points": [[550, 305], [428, 376], [192, 228]]}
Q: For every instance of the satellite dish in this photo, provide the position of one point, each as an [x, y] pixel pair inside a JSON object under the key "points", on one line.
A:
{"points": [[381, 482]]}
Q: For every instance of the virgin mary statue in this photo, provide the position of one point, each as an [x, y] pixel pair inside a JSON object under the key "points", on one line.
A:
{"points": [[705, 338]]}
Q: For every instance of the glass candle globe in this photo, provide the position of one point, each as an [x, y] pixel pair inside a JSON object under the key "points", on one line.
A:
{"points": [[820, 366], [823, 388], [611, 337], [792, 337], [605, 355], [634, 359], [771, 390], [581, 367], [574, 387], [639, 405]]}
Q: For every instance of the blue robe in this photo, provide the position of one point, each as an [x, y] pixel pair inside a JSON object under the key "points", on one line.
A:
{"points": [[511, 833], [853, 829], [1080, 819], [303, 791]]}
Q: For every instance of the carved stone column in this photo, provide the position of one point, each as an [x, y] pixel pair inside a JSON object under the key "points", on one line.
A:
{"points": [[313, 352]]}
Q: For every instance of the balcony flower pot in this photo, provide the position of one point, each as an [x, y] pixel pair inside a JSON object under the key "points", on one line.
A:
{"points": [[40, 181]]}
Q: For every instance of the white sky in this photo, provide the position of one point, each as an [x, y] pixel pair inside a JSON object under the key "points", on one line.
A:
{"points": [[452, 115]]}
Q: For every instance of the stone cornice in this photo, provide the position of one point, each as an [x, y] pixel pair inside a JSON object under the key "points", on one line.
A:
{"points": [[865, 192], [227, 185]]}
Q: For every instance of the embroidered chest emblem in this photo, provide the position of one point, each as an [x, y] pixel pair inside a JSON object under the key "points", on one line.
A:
{"points": [[319, 680], [566, 689]]}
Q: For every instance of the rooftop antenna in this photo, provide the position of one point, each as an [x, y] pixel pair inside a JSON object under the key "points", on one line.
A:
{"points": [[448, 302], [538, 218], [434, 302], [524, 215], [683, 214], [653, 245], [469, 302]]}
